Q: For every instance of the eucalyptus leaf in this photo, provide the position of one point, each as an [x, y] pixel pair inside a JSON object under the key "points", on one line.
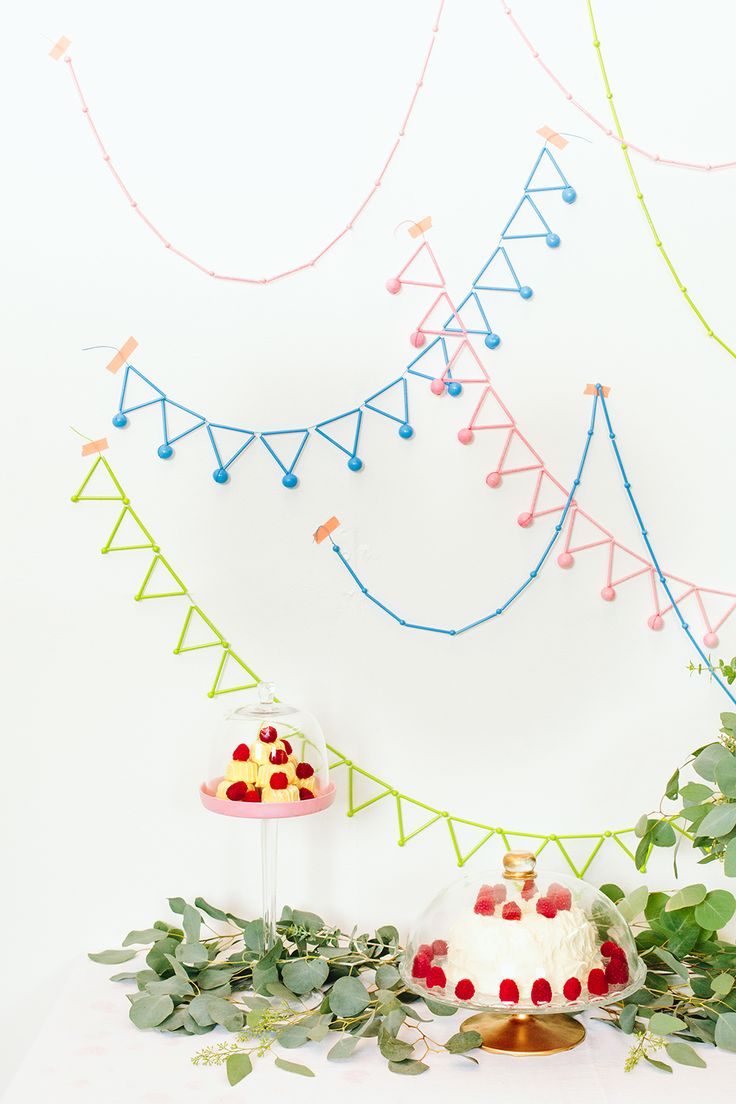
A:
{"points": [[393, 1049], [657, 1064], [177, 904], [674, 964], [438, 1008], [112, 957], [409, 1066], [722, 985], [151, 1011], [612, 892], [627, 1018], [694, 793], [348, 996], [719, 821], [634, 903], [663, 1023], [716, 910], [192, 954], [387, 976], [726, 776], [663, 834], [304, 975], [293, 1036], [729, 859], [223, 1012], [462, 1041], [192, 924], [686, 898], [126, 976], [707, 760], [673, 785], [238, 1066], [173, 987], [294, 1067], [144, 937], [308, 920], [210, 910], [725, 1036], [215, 976], [199, 1011], [343, 1048], [684, 1054], [642, 826]]}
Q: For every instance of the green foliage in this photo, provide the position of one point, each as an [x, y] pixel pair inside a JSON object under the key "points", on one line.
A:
{"points": [[706, 810], [688, 994], [315, 982]]}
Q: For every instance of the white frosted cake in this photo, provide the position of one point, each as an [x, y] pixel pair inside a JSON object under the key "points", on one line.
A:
{"points": [[490, 949]]}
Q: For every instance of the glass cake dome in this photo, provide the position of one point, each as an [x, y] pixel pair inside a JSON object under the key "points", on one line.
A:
{"points": [[522, 943], [267, 760]]}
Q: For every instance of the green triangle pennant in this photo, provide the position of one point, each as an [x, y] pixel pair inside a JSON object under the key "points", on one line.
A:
{"points": [[456, 825], [217, 685], [108, 477], [128, 517], [405, 836], [385, 792], [202, 618], [158, 564]]}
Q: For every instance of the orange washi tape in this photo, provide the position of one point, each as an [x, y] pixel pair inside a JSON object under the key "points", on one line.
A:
{"points": [[553, 137], [419, 227], [324, 530], [95, 446], [60, 48], [591, 389], [121, 357]]}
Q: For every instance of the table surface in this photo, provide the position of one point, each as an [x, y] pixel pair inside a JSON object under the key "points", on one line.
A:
{"points": [[88, 1052]]}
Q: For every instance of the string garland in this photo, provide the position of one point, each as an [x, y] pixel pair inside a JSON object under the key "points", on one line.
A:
{"points": [[405, 806], [304, 265], [443, 322], [652, 567], [656, 158]]}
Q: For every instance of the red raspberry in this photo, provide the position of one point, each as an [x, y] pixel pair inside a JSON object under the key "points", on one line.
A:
{"points": [[541, 991], [499, 893], [420, 966], [609, 949], [484, 906], [511, 911], [278, 757], [546, 908], [485, 891], [304, 770], [465, 990], [436, 978], [242, 753], [279, 781], [508, 992], [252, 795], [529, 889], [268, 734], [237, 791], [617, 971], [439, 947], [426, 950], [287, 746], [560, 897], [572, 989], [597, 984], [305, 795]]}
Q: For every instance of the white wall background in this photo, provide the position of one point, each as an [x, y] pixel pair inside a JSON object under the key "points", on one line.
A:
{"points": [[249, 132]]}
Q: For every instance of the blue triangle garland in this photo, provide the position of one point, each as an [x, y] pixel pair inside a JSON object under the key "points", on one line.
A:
{"points": [[545, 155], [220, 475], [289, 479], [165, 451], [405, 429], [524, 291], [354, 462]]}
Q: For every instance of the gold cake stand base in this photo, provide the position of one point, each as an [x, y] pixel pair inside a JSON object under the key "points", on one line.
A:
{"points": [[523, 1034]]}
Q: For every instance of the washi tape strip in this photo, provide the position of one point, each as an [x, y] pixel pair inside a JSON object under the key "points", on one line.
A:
{"points": [[59, 48], [420, 227], [553, 137], [121, 357], [95, 446], [323, 531]]}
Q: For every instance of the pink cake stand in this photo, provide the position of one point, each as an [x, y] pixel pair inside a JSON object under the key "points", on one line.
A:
{"points": [[269, 814]]}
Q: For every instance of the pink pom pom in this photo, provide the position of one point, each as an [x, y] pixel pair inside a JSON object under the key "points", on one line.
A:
{"points": [[393, 286], [710, 640], [565, 559], [417, 339], [493, 479], [437, 387], [656, 622], [525, 520], [608, 594], [465, 436]]}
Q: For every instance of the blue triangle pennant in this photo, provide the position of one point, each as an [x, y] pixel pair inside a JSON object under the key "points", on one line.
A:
{"points": [[289, 479], [503, 260], [400, 390], [354, 462], [165, 450], [544, 161], [526, 205], [120, 418], [244, 438]]}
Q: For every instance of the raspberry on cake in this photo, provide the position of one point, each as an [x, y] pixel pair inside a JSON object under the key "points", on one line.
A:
{"points": [[436, 978], [609, 949], [420, 966], [268, 734], [499, 893], [545, 907], [572, 989], [560, 897], [241, 753], [427, 950], [439, 946], [237, 791], [305, 795], [529, 889], [484, 906], [511, 911], [465, 990], [617, 971], [304, 770], [597, 984], [541, 991], [508, 992], [278, 757]]}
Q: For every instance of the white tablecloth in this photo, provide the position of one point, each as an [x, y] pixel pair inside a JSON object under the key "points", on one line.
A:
{"points": [[88, 1052]]}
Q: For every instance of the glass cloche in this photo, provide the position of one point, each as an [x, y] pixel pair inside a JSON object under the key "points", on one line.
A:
{"points": [[523, 945], [268, 759]]}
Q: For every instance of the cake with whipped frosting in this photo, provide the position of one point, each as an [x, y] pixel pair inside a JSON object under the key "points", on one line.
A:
{"points": [[520, 945]]}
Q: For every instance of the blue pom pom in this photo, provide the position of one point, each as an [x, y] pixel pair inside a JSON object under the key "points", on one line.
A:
{"points": [[355, 463], [552, 240], [290, 480], [220, 476], [119, 420], [454, 388], [406, 431], [525, 292], [492, 341], [569, 194], [165, 452]]}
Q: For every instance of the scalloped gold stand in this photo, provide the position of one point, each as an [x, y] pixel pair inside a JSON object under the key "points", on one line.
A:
{"points": [[523, 1034]]}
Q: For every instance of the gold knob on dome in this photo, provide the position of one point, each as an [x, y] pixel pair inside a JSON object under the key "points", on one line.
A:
{"points": [[519, 864]]}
